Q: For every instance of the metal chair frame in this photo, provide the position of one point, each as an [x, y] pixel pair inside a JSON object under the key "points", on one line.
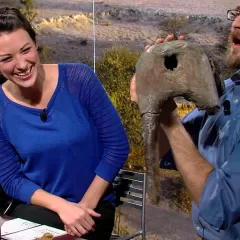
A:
{"points": [[130, 190]]}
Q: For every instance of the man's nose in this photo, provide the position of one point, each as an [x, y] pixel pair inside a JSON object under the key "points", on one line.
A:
{"points": [[236, 23]]}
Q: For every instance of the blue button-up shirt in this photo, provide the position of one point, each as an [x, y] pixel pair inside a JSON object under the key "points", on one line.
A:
{"points": [[217, 138]]}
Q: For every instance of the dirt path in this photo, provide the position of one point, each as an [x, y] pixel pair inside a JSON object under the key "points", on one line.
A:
{"points": [[161, 223]]}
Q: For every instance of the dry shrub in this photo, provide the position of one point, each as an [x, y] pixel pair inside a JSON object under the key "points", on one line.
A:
{"points": [[173, 191], [115, 70], [223, 39], [183, 200], [184, 108], [174, 24], [180, 199], [77, 21], [44, 53], [119, 227], [28, 10]]}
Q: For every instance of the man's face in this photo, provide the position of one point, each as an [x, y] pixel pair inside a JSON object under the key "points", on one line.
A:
{"points": [[233, 52]]}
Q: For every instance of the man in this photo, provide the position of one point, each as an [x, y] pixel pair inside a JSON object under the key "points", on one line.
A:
{"points": [[206, 150]]}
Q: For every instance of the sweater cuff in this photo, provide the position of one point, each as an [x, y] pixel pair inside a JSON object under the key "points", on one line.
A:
{"points": [[106, 171], [26, 191]]}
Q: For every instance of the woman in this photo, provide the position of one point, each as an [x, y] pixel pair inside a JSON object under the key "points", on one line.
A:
{"points": [[61, 139]]}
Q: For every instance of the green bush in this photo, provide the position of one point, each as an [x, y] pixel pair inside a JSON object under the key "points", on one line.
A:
{"points": [[115, 70], [28, 10]]}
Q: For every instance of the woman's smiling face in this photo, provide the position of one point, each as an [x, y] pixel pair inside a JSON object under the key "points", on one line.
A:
{"points": [[19, 59]]}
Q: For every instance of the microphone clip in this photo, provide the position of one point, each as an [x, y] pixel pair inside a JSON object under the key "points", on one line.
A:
{"points": [[43, 115], [227, 107]]}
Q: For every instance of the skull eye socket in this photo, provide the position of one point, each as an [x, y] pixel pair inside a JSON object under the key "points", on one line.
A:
{"points": [[171, 62]]}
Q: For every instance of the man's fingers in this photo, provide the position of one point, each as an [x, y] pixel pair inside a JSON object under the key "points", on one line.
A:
{"points": [[133, 92], [169, 37], [159, 40], [181, 37], [147, 47]]}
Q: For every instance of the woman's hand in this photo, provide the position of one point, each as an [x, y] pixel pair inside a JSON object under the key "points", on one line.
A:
{"points": [[77, 219], [133, 92]]}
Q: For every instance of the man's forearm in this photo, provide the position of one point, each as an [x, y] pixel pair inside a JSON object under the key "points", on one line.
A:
{"points": [[47, 200], [94, 192], [193, 168], [164, 145]]}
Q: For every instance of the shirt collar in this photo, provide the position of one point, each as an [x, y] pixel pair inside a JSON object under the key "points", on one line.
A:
{"points": [[236, 77]]}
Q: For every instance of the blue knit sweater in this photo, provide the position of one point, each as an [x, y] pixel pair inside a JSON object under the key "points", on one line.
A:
{"points": [[82, 137]]}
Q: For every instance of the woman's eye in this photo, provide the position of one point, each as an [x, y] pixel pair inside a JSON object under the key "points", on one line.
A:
{"points": [[26, 50], [6, 59]]}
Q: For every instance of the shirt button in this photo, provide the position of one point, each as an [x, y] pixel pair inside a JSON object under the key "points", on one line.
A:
{"points": [[198, 228]]}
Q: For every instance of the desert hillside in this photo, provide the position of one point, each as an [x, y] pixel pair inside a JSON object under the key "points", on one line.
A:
{"points": [[65, 28]]}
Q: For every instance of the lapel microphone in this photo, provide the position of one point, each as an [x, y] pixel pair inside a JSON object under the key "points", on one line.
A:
{"points": [[227, 107], [43, 115]]}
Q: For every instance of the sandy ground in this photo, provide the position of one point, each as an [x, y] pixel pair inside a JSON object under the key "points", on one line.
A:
{"points": [[162, 223]]}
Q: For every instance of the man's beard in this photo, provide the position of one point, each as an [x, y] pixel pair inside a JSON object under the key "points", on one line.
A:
{"points": [[233, 53]]}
